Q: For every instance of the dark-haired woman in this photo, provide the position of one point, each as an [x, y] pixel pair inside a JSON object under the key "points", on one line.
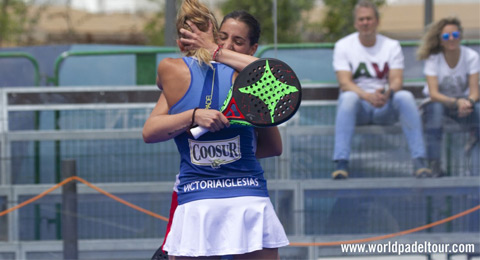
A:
{"points": [[214, 217]]}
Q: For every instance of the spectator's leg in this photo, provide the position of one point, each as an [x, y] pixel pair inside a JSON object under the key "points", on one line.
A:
{"points": [[472, 146], [473, 120], [475, 154], [433, 122], [404, 104], [347, 109]]}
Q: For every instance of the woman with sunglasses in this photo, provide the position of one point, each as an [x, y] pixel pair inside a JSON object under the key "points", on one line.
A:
{"points": [[451, 72]]}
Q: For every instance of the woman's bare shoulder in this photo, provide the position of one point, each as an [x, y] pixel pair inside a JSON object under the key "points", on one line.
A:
{"points": [[169, 64], [173, 78], [172, 69]]}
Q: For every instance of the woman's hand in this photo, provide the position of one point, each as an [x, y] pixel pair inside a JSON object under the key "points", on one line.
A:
{"points": [[211, 119], [464, 107], [197, 39]]}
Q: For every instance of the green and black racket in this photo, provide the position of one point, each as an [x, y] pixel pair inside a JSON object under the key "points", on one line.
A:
{"points": [[265, 93]]}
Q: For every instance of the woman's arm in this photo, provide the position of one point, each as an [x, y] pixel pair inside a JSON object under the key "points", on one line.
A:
{"points": [[160, 126], [269, 142], [174, 78], [473, 86], [198, 39], [464, 106], [435, 95], [236, 60]]}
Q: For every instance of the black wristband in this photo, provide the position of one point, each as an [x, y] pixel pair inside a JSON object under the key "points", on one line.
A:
{"points": [[471, 101], [455, 103], [193, 117]]}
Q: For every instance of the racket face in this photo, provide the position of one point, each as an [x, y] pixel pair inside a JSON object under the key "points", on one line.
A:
{"points": [[267, 92]]}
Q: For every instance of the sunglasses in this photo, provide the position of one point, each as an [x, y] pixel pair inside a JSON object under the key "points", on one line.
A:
{"points": [[455, 35]]}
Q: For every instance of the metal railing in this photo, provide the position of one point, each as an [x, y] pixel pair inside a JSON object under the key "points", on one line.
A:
{"points": [[145, 71], [30, 58], [103, 134], [146, 61]]}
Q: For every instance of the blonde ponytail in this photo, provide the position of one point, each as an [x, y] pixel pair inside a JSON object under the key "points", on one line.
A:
{"points": [[198, 14]]}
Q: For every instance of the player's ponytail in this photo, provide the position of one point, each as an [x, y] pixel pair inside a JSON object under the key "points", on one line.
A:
{"points": [[198, 14]]}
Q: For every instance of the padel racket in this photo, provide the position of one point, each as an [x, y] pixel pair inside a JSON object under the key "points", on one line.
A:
{"points": [[265, 93]]}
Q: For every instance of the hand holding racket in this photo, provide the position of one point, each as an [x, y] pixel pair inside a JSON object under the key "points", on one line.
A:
{"points": [[265, 93]]}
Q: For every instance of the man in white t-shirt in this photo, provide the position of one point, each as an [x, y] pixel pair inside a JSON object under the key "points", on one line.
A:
{"points": [[369, 69]]}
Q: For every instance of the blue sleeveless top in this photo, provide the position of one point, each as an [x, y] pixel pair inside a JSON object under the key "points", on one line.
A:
{"points": [[220, 164]]}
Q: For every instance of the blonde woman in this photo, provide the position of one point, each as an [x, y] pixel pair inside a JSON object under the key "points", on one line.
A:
{"points": [[240, 32], [217, 215], [451, 72]]}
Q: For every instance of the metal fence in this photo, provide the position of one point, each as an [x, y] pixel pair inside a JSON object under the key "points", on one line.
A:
{"points": [[103, 135], [100, 128]]}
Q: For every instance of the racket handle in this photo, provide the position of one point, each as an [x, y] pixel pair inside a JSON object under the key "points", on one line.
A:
{"points": [[198, 131]]}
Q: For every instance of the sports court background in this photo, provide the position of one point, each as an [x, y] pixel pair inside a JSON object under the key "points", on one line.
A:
{"points": [[382, 197]]}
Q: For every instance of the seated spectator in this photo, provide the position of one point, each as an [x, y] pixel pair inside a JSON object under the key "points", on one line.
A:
{"points": [[369, 70], [451, 72]]}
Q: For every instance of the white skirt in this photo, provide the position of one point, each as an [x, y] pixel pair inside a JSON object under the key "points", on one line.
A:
{"points": [[230, 226]]}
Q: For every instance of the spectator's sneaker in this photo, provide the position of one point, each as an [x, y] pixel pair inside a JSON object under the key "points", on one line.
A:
{"points": [[341, 170], [420, 168], [436, 167]]}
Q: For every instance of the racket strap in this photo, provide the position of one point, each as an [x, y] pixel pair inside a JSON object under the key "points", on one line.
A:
{"points": [[210, 91]]}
